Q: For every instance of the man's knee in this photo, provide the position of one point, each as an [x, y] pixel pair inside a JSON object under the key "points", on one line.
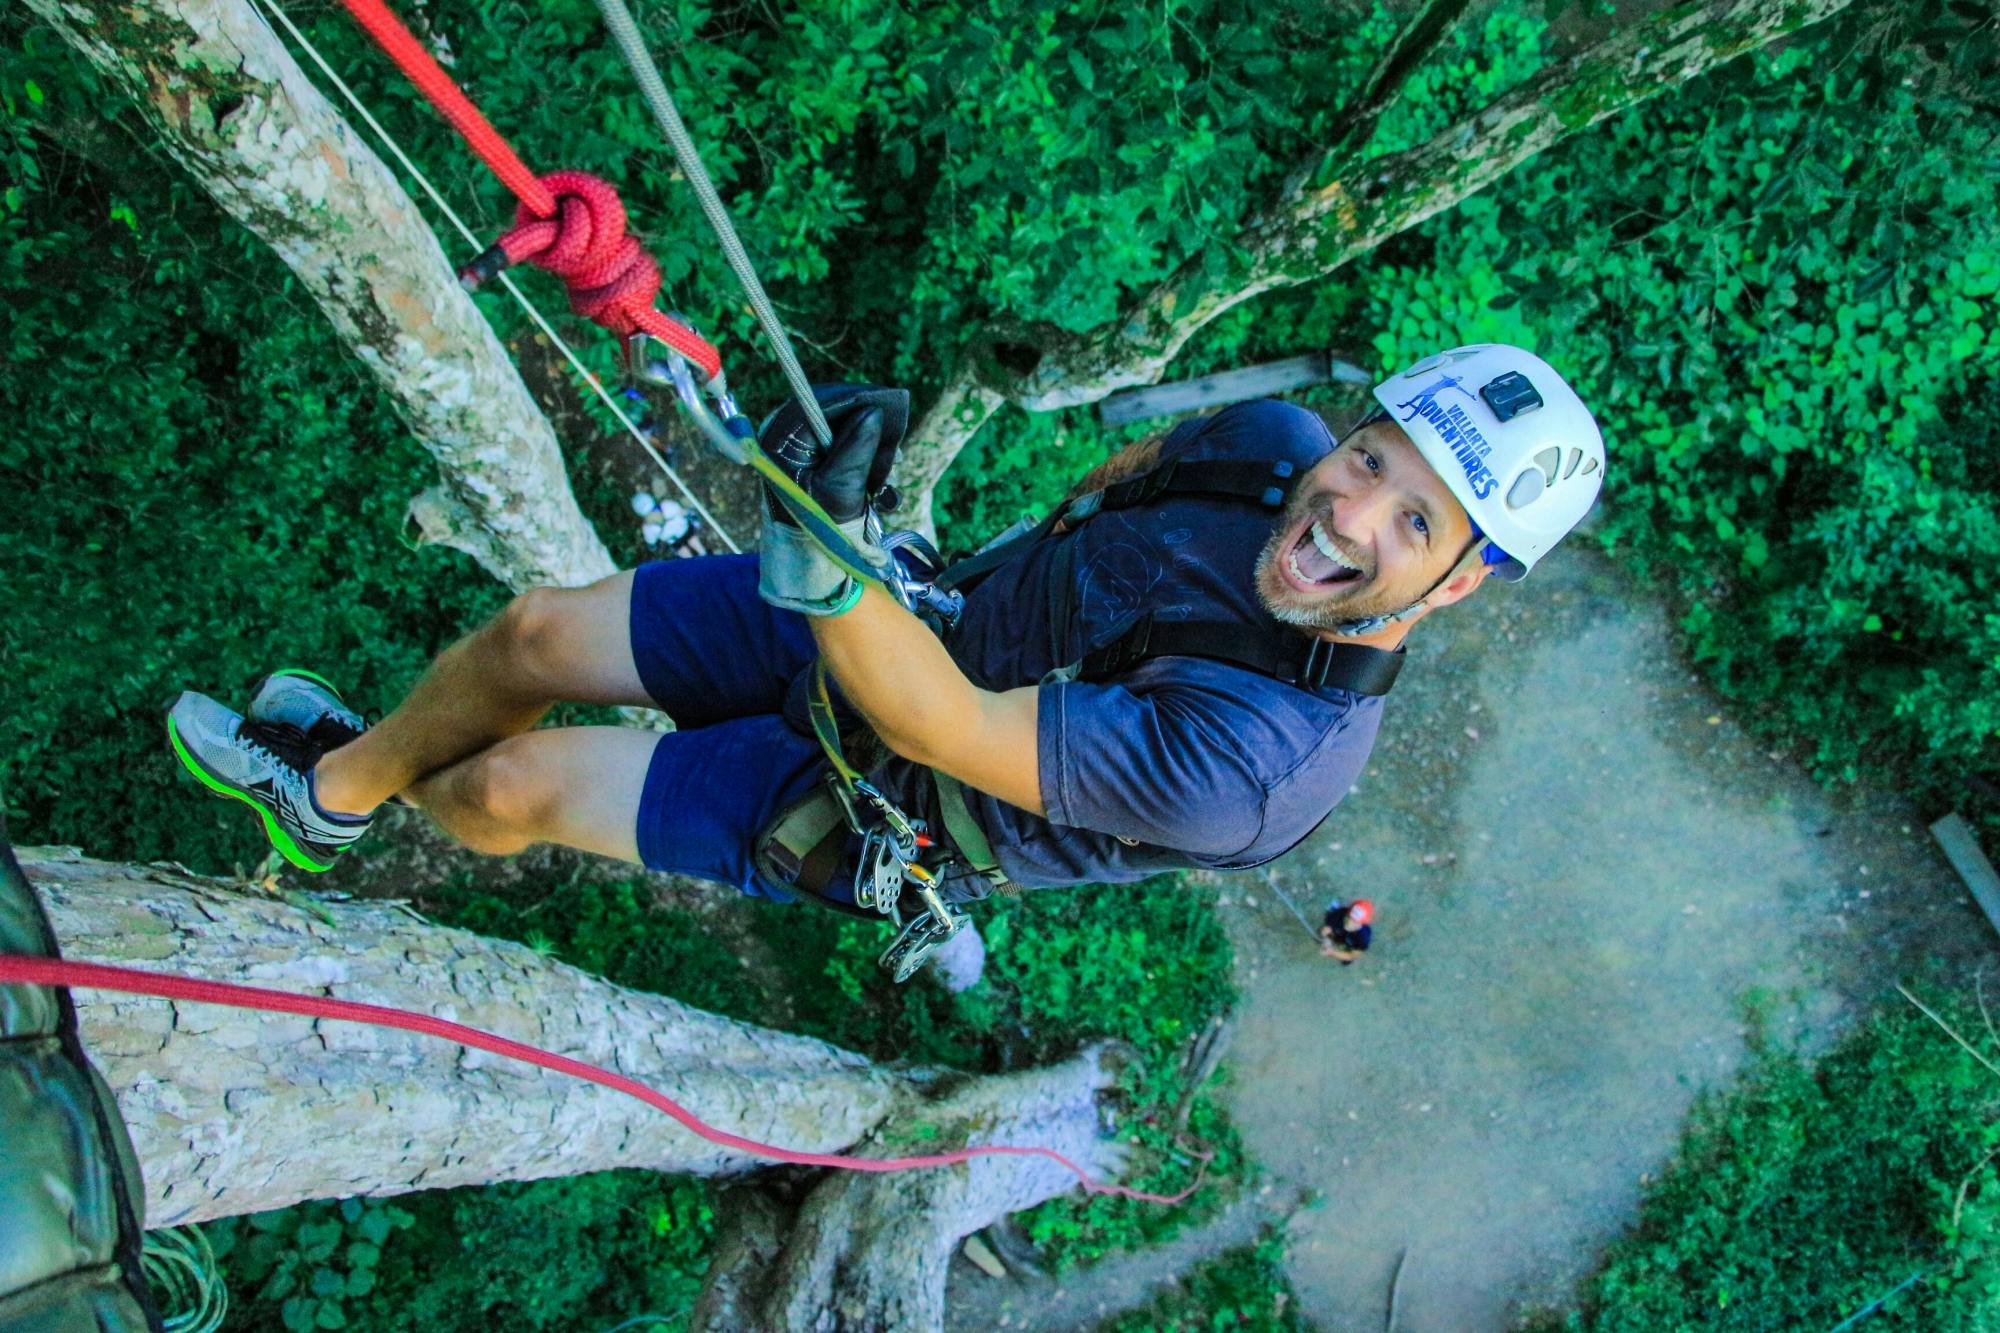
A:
{"points": [[536, 634], [509, 795]]}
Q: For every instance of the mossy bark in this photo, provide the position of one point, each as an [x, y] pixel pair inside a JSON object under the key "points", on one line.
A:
{"points": [[234, 1110]]}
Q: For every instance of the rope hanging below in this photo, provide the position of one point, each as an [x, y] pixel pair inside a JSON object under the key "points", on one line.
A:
{"points": [[22, 969]]}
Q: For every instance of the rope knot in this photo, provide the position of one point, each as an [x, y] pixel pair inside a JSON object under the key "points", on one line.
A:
{"points": [[610, 277]]}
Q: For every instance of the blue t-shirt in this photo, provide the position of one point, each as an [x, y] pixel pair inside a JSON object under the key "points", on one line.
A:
{"points": [[1182, 761]]}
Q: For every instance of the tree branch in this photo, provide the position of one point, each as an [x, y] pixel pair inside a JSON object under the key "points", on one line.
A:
{"points": [[231, 106], [234, 1110], [1314, 234], [1420, 37]]}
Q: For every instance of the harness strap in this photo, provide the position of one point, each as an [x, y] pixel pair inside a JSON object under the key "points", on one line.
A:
{"points": [[1262, 483], [969, 573], [1265, 483], [1313, 664], [802, 846], [967, 838]]}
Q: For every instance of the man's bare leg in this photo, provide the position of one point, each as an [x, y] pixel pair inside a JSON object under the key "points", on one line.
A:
{"points": [[577, 786], [550, 645]]}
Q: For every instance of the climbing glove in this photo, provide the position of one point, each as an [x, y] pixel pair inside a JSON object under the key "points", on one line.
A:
{"points": [[844, 477]]}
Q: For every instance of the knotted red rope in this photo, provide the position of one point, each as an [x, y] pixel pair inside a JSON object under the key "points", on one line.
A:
{"points": [[17, 969], [569, 222]]}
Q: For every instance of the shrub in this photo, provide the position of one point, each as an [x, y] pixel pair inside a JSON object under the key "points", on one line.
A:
{"points": [[1814, 1187], [1244, 1288], [578, 1253]]}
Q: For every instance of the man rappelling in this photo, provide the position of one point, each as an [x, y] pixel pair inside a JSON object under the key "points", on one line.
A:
{"points": [[1182, 666]]}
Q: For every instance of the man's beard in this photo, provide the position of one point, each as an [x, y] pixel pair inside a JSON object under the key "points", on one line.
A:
{"points": [[1335, 607]]}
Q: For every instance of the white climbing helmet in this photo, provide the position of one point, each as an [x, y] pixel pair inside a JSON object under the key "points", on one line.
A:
{"points": [[1510, 438]]}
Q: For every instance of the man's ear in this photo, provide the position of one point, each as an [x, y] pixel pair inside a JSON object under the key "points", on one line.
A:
{"points": [[1460, 585]]}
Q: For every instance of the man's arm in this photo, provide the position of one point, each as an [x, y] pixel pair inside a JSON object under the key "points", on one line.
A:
{"points": [[904, 684]]}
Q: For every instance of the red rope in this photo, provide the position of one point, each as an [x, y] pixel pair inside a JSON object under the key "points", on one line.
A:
{"points": [[22, 969], [569, 222]]}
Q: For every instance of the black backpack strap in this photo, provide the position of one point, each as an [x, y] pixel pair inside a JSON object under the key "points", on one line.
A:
{"points": [[1282, 654], [1256, 481]]}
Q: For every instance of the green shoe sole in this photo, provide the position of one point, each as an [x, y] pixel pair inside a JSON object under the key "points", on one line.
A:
{"points": [[303, 674], [287, 846]]}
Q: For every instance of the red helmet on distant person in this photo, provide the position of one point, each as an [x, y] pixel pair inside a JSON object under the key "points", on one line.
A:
{"points": [[1362, 911]]}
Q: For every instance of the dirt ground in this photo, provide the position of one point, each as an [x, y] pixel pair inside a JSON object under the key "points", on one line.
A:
{"points": [[1587, 876], [1584, 873]]}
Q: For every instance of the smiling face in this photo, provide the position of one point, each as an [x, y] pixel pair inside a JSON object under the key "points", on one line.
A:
{"points": [[1365, 533]]}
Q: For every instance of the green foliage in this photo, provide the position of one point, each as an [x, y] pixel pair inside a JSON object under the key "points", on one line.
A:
{"points": [[1023, 463], [309, 1262], [216, 490], [612, 928], [1244, 1288], [1147, 965], [1817, 1186], [581, 1252], [1784, 315]]}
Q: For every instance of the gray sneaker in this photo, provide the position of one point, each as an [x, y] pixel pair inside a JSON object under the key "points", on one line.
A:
{"points": [[299, 698], [268, 767]]}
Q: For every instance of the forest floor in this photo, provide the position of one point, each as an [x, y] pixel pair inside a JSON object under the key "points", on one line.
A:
{"points": [[1589, 878]]}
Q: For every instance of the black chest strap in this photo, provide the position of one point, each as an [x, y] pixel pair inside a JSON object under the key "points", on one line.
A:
{"points": [[1280, 653], [1259, 482], [1262, 483]]}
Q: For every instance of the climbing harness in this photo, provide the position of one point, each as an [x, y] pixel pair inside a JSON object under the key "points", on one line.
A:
{"points": [[806, 845]]}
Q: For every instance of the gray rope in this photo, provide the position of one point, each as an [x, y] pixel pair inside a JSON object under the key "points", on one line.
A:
{"points": [[1272, 880], [619, 19]]}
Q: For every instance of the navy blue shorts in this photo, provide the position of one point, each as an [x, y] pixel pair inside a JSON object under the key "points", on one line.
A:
{"points": [[719, 660]]}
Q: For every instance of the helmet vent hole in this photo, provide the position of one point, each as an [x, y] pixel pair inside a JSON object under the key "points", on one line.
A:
{"points": [[1590, 467], [1575, 457], [1527, 489], [1548, 460]]}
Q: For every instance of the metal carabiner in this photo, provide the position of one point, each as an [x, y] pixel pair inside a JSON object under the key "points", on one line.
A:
{"points": [[923, 934], [727, 431]]}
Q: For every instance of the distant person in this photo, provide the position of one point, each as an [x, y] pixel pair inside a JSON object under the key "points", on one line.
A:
{"points": [[1346, 932]]}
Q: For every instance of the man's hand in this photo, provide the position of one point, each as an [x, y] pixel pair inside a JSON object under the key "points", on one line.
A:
{"points": [[843, 477], [868, 424]]}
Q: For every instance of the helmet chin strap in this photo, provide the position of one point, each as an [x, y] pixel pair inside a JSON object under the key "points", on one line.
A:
{"points": [[1347, 629]]}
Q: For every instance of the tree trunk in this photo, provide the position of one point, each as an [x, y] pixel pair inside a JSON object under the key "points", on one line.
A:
{"points": [[1310, 232], [233, 108], [236, 1111], [871, 1251]]}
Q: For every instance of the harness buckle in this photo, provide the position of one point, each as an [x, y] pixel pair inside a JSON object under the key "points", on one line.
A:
{"points": [[1281, 485], [1318, 663]]}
